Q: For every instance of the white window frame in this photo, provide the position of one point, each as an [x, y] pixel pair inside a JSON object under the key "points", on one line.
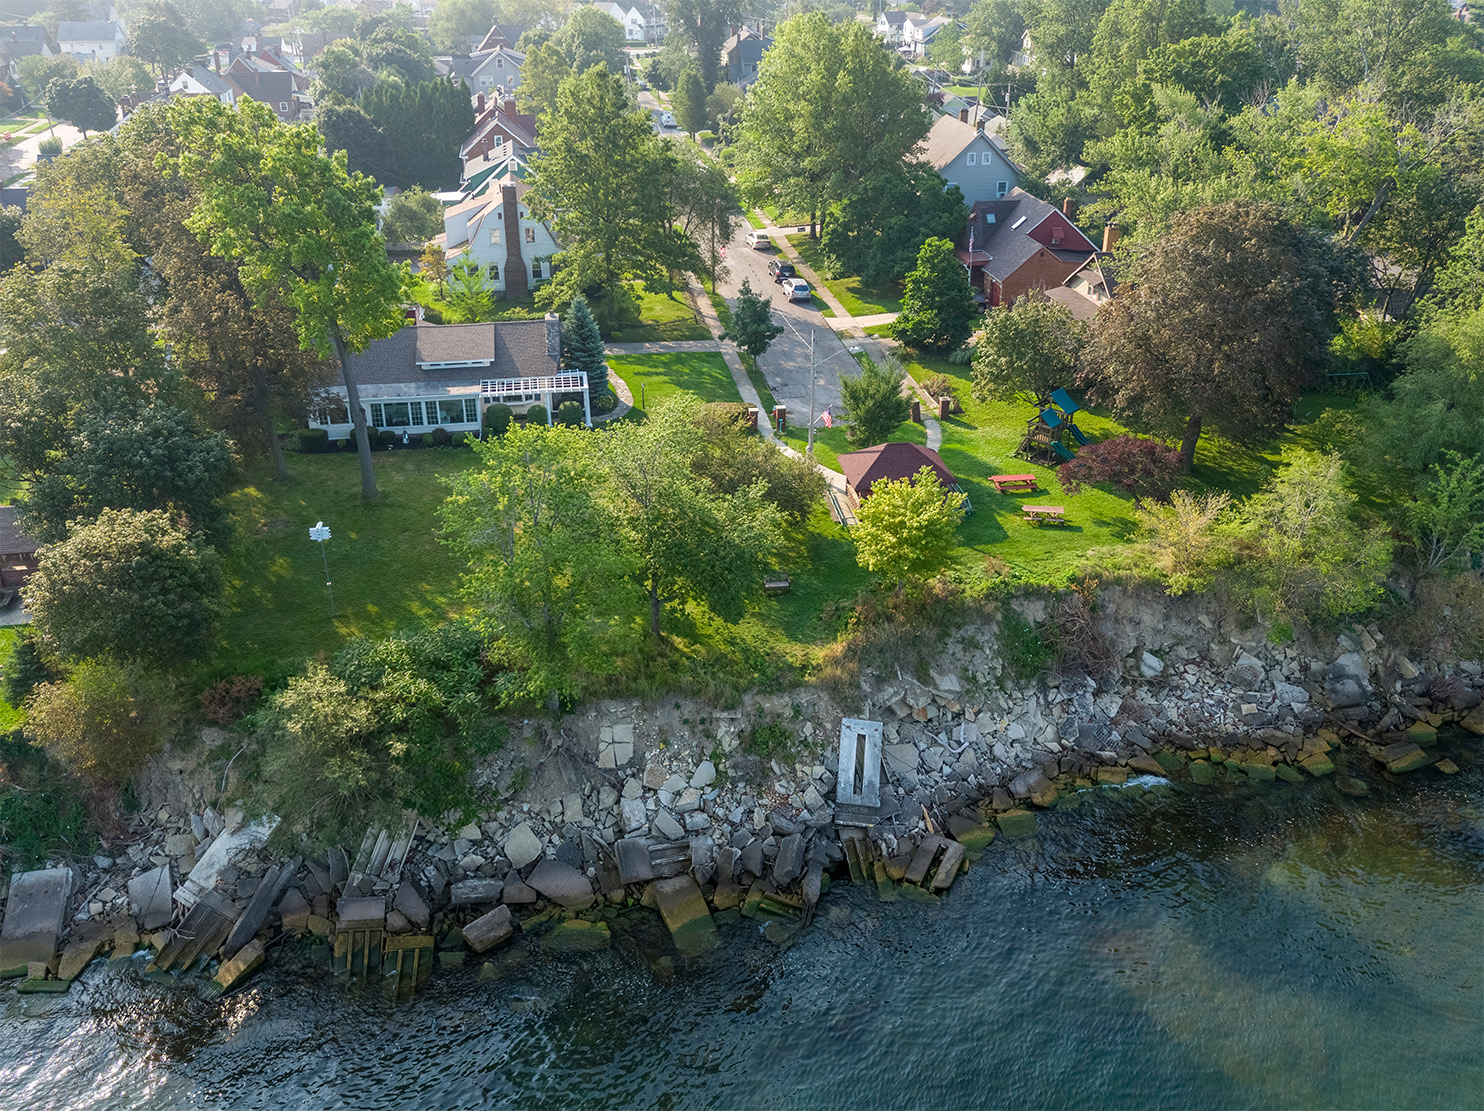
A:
{"points": [[1002, 189], [973, 157], [494, 237], [530, 235]]}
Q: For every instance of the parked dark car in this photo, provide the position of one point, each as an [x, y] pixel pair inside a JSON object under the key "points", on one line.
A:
{"points": [[781, 271]]}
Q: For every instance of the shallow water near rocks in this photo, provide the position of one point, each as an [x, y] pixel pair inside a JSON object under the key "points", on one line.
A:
{"points": [[1279, 946]]}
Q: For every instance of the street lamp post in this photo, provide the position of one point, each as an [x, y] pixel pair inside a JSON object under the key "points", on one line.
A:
{"points": [[809, 343], [321, 532]]}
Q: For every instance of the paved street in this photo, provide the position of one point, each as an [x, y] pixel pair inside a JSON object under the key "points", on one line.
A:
{"points": [[22, 156], [786, 365]]}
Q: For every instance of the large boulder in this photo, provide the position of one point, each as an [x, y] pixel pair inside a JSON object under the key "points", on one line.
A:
{"points": [[523, 846], [561, 883]]}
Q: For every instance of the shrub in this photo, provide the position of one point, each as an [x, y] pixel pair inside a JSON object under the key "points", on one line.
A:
{"points": [[441, 437], [373, 437], [1022, 647], [497, 418], [940, 386], [41, 809], [229, 700], [1147, 469], [49, 148], [459, 439], [386, 438], [536, 414], [27, 670], [1180, 539], [770, 740], [569, 413], [105, 720], [343, 445], [314, 440]]}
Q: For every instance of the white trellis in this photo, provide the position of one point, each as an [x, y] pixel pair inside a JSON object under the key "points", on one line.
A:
{"points": [[547, 385]]}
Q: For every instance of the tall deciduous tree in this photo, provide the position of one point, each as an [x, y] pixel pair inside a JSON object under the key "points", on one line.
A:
{"points": [[829, 107], [703, 206], [752, 328], [412, 216], [874, 402], [132, 585], [105, 720], [299, 226], [146, 456], [543, 565], [1031, 348], [938, 309], [880, 223], [595, 180], [160, 38], [691, 542], [690, 102], [454, 22], [1223, 323], [906, 528], [547, 66], [589, 38], [702, 26], [81, 103]]}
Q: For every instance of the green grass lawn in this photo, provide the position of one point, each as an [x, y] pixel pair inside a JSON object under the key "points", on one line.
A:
{"points": [[387, 566], [10, 716], [650, 377], [662, 319], [830, 443], [982, 440], [856, 298], [752, 219]]}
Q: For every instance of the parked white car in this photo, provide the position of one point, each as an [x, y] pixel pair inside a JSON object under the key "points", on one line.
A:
{"points": [[797, 289], [759, 240]]}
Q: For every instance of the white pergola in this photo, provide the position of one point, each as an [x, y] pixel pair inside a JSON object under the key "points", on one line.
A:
{"points": [[546, 385]]}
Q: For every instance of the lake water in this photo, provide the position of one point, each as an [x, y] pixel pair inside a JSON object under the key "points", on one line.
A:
{"points": [[1275, 947]]}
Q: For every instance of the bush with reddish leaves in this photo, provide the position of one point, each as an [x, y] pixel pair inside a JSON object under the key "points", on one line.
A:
{"points": [[1147, 469], [229, 700]]}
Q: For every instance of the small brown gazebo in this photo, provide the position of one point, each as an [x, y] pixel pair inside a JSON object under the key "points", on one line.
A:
{"points": [[893, 462]]}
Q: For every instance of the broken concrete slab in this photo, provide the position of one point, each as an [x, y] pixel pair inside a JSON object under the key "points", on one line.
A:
{"points": [[222, 852], [562, 884], [238, 967], [151, 893], [256, 912], [476, 892], [686, 915], [523, 846], [34, 913], [633, 861], [293, 909], [412, 905], [789, 864], [488, 930], [81, 949]]}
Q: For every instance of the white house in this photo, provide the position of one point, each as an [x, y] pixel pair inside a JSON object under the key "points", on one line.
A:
{"points": [[892, 26], [430, 376], [918, 33], [513, 248], [630, 19], [200, 81], [968, 152], [95, 41]]}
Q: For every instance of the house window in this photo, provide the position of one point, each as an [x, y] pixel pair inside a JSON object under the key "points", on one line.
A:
{"points": [[494, 272], [972, 158], [494, 236], [536, 270], [1002, 189], [499, 63], [395, 414], [1055, 234], [458, 410], [283, 106], [530, 235]]}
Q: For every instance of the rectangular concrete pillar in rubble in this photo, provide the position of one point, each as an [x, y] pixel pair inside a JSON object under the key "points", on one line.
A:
{"points": [[858, 779]]}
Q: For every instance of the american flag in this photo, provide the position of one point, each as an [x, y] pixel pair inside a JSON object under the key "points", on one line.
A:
{"points": [[829, 421]]}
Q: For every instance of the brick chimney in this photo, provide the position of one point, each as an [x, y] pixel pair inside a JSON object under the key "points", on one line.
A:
{"points": [[1067, 207], [509, 106], [479, 104], [554, 337], [517, 273], [979, 123], [1110, 236], [963, 115]]}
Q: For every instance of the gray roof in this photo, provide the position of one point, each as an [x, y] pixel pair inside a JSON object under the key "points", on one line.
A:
{"points": [[950, 136], [93, 31], [514, 349], [1009, 247], [12, 540]]}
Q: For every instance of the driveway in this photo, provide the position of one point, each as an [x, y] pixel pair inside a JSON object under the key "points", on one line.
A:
{"points": [[786, 364]]}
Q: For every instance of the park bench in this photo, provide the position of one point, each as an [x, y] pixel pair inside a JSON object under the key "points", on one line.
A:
{"points": [[1044, 514], [778, 584], [1014, 483]]}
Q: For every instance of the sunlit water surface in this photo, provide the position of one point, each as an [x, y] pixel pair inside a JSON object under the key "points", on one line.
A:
{"points": [[1273, 947]]}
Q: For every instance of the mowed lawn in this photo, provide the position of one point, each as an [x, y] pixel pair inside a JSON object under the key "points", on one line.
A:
{"points": [[388, 568], [10, 716], [857, 298], [652, 377], [662, 319], [830, 443]]}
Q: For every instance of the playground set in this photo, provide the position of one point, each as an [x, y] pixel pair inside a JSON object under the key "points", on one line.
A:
{"points": [[1047, 433]]}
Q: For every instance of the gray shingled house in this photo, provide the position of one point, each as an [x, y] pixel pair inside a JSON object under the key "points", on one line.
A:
{"points": [[431, 376]]}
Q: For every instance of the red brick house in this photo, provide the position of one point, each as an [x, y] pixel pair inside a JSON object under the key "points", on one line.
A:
{"points": [[1019, 243]]}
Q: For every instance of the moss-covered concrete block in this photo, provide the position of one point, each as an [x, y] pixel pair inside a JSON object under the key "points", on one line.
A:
{"points": [[1017, 823], [1202, 773], [1289, 773]]}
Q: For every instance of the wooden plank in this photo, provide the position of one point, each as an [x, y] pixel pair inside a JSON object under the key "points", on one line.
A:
{"points": [[917, 870], [953, 855]]}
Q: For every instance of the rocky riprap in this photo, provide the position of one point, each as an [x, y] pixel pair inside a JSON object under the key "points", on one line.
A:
{"points": [[669, 806]]}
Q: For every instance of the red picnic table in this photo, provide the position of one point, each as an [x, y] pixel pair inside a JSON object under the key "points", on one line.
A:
{"points": [[1015, 483]]}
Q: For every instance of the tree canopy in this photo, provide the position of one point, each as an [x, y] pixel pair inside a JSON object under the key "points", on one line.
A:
{"points": [[874, 402], [907, 527], [1032, 347], [938, 309]]}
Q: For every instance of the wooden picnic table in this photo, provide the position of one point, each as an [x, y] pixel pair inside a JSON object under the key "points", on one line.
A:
{"points": [[1016, 483], [1044, 514]]}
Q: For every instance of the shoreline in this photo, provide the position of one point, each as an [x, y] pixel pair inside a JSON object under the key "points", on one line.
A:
{"points": [[682, 807]]}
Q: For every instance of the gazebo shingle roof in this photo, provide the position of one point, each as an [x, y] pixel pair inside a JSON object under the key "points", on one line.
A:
{"points": [[12, 540], [893, 462]]}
